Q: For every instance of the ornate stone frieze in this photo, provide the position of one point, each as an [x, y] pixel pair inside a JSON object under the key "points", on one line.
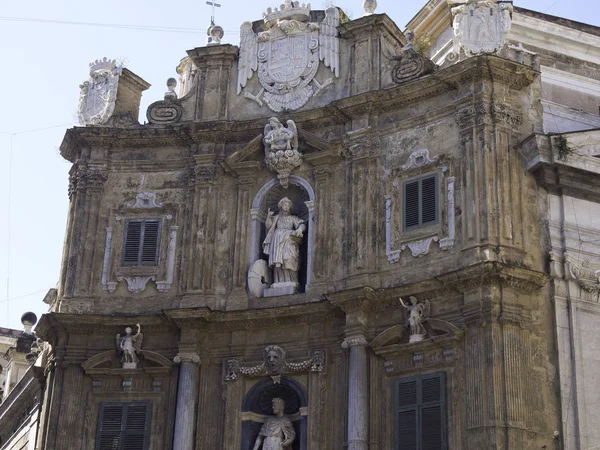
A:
{"points": [[481, 26], [281, 149], [411, 64], [419, 158], [274, 365], [203, 174], [486, 115], [420, 247], [84, 177], [588, 280], [145, 200], [136, 284], [99, 94], [287, 56]]}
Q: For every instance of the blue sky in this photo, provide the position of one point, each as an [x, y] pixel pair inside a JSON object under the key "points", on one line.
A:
{"points": [[44, 60]]}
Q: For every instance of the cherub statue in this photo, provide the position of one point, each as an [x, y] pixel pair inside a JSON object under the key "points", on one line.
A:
{"points": [[416, 314], [128, 347], [281, 148], [277, 137]]}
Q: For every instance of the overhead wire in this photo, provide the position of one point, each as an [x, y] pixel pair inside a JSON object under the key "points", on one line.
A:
{"points": [[157, 28]]}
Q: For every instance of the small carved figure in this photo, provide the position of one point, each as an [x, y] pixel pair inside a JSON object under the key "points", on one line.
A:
{"points": [[277, 433], [129, 346], [281, 148], [282, 243], [232, 368], [317, 361], [274, 360], [416, 314]]}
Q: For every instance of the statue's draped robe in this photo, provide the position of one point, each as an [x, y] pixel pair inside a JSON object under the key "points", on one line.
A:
{"points": [[282, 247], [274, 431]]}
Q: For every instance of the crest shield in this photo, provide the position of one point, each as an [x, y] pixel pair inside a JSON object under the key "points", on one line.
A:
{"points": [[99, 93], [288, 58]]}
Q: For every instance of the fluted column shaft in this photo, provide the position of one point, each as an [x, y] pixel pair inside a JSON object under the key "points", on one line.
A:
{"points": [[358, 406], [187, 400]]}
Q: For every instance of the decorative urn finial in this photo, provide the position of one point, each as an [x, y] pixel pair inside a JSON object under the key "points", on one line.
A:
{"points": [[370, 6]]}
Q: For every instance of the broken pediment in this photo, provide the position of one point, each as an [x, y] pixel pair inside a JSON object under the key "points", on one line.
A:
{"points": [[315, 150]]}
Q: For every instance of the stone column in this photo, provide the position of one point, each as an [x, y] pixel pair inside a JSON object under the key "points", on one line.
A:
{"points": [[358, 406], [187, 396]]}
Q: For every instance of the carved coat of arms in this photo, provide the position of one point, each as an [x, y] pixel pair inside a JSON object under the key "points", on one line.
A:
{"points": [[482, 26], [99, 93], [287, 56]]}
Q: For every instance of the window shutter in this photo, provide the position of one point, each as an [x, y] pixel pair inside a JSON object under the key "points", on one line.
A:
{"points": [[142, 237], [136, 427], [420, 412], [411, 204], [150, 245], [123, 426], [133, 238], [428, 200]]}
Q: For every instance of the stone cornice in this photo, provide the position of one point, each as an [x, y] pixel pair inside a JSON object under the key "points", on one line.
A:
{"points": [[563, 162], [356, 28], [490, 68]]}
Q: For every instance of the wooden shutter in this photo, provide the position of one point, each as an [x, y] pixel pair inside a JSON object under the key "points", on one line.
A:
{"points": [[420, 202], [149, 252], [123, 426], [429, 200], [411, 204], [433, 433], [133, 239], [420, 412], [141, 242]]}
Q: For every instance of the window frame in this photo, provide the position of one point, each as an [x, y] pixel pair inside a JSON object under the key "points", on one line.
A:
{"points": [[419, 180], [419, 405], [123, 432], [139, 262]]}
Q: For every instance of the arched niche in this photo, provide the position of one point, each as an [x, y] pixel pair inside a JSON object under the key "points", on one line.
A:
{"points": [[303, 196], [257, 405]]}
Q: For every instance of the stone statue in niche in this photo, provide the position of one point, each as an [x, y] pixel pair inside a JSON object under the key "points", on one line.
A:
{"points": [[282, 246], [281, 149], [129, 346], [277, 433], [416, 314]]}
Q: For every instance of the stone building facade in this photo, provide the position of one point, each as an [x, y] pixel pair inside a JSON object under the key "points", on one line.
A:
{"points": [[431, 281]]}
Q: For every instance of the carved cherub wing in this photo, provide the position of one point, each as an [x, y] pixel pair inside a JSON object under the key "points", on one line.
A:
{"points": [[329, 45], [118, 347], [292, 127], [426, 309], [247, 63], [137, 344]]}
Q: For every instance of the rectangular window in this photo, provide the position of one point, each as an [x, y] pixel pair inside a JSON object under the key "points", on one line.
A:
{"points": [[420, 202], [123, 426], [421, 412], [140, 247]]}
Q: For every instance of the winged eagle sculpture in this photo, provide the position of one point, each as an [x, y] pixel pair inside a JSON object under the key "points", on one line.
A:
{"points": [[287, 56]]}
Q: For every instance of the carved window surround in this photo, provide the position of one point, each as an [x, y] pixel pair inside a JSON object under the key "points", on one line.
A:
{"points": [[146, 205], [419, 240]]}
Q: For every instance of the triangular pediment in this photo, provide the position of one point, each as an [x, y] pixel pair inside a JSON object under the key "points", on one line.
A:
{"points": [[315, 150]]}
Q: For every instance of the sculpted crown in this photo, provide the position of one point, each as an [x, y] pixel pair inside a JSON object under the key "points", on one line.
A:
{"points": [[288, 10], [101, 65]]}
